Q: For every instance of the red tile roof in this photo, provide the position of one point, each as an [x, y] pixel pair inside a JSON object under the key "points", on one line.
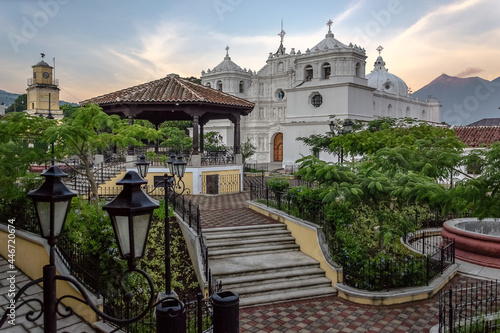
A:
{"points": [[478, 136], [170, 89]]}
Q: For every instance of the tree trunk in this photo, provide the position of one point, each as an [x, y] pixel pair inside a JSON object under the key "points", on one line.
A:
{"points": [[94, 192]]}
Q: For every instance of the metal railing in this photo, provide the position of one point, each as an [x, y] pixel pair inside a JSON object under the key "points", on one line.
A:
{"points": [[198, 314], [80, 265], [473, 307], [84, 267], [386, 274], [288, 202]]}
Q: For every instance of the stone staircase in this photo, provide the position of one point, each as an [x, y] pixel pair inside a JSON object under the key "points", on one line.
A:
{"points": [[264, 265], [80, 184]]}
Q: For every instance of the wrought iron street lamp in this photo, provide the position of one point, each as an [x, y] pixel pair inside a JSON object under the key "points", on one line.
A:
{"points": [[131, 215], [177, 167], [142, 166]]}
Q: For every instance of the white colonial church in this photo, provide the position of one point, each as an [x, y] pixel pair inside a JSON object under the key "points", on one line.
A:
{"points": [[295, 94]]}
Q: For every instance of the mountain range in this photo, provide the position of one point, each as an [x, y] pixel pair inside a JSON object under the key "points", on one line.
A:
{"points": [[464, 100], [8, 98]]}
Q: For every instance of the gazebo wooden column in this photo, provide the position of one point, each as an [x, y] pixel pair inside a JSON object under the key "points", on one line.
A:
{"points": [[202, 138], [196, 130], [237, 139]]}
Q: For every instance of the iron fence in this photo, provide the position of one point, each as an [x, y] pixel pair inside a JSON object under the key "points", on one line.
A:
{"points": [[198, 314], [473, 307], [290, 203], [81, 265], [386, 274]]}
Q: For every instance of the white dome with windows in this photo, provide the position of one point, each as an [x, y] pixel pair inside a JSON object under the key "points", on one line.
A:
{"points": [[381, 79]]}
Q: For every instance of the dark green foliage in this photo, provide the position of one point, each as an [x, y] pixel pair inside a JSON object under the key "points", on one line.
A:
{"points": [[20, 104]]}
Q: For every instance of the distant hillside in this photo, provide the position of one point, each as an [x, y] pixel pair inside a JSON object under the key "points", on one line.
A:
{"points": [[465, 100], [8, 98]]}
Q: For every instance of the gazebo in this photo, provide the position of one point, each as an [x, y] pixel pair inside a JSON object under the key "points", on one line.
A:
{"points": [[176, 98]]}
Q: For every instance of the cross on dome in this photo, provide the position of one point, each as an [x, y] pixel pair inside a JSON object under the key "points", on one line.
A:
{"points": [[282, 32], [227, 50], [329, 24], [379, 49]]}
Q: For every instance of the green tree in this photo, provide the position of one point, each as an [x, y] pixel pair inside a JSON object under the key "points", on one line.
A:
{"points": [[247, 149], [175, 139], [20, 147], [20, 104], [90, 130]]}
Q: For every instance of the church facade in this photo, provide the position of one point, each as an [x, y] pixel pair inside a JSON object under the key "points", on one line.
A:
{"points": [[296, 93]]}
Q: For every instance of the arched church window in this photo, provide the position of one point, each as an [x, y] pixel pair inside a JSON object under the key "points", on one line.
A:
{"points": [[389, 110], [208, 85], [219, 85], [358, 69], [424, 115], [317, 100], [281, 67], [242, 86], [408, 112], [326, 71], [309, 73]]}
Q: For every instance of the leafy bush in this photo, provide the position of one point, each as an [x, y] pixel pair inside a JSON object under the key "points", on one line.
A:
{"points": [[278, 184]]}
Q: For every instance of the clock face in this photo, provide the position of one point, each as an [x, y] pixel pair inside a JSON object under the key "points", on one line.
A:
{"points": [[46, 75]]}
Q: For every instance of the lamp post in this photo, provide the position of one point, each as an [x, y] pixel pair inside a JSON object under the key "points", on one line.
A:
{"points": [[130, 213], [177, 167], [347, 128], [166, 322]]}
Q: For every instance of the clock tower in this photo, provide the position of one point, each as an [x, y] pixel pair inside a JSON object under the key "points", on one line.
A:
{"points": [[43, 91]]}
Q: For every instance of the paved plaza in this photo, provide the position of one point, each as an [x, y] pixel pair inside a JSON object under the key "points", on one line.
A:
{"points": [[326, 314]]}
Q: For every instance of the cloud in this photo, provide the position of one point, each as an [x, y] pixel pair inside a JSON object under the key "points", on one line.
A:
{"points": [[443, 40], [469, 71]]}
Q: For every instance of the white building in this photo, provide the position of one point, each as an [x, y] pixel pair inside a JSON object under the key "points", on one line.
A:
{"points": [[295, 94]]}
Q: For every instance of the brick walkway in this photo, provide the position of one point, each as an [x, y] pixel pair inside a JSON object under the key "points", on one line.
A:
{"points": [[331, 314], [230, 210], [334, 314]]}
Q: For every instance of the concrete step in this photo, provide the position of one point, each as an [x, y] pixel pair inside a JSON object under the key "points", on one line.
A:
{"points": [[227, 236], [243, 233], [259, 263], [282, 275], [278, 287], [219, 245], [245, 228], [249, 251], [285, 296], [264, 265]]}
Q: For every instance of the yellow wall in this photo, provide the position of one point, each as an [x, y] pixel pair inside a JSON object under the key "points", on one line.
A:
{"points": [[30, 257], [111, 187], [229, 180], [307, 239]]}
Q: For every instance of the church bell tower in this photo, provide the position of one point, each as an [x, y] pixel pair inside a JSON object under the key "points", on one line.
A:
{"points": [[43, 91]]}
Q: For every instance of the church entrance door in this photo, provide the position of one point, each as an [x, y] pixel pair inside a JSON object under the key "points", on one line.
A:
{"points": [[278, 147]]}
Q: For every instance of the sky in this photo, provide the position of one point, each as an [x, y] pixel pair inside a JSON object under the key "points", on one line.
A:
{"points": [[101, 46]]}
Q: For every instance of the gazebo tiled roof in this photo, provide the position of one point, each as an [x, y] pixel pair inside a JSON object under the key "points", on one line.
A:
{"points": [[170, 89], [478, 136]]}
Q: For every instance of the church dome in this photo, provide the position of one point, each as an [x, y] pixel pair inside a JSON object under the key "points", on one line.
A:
{"points": [[381, 79], [329, 43], [227, 65]]}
